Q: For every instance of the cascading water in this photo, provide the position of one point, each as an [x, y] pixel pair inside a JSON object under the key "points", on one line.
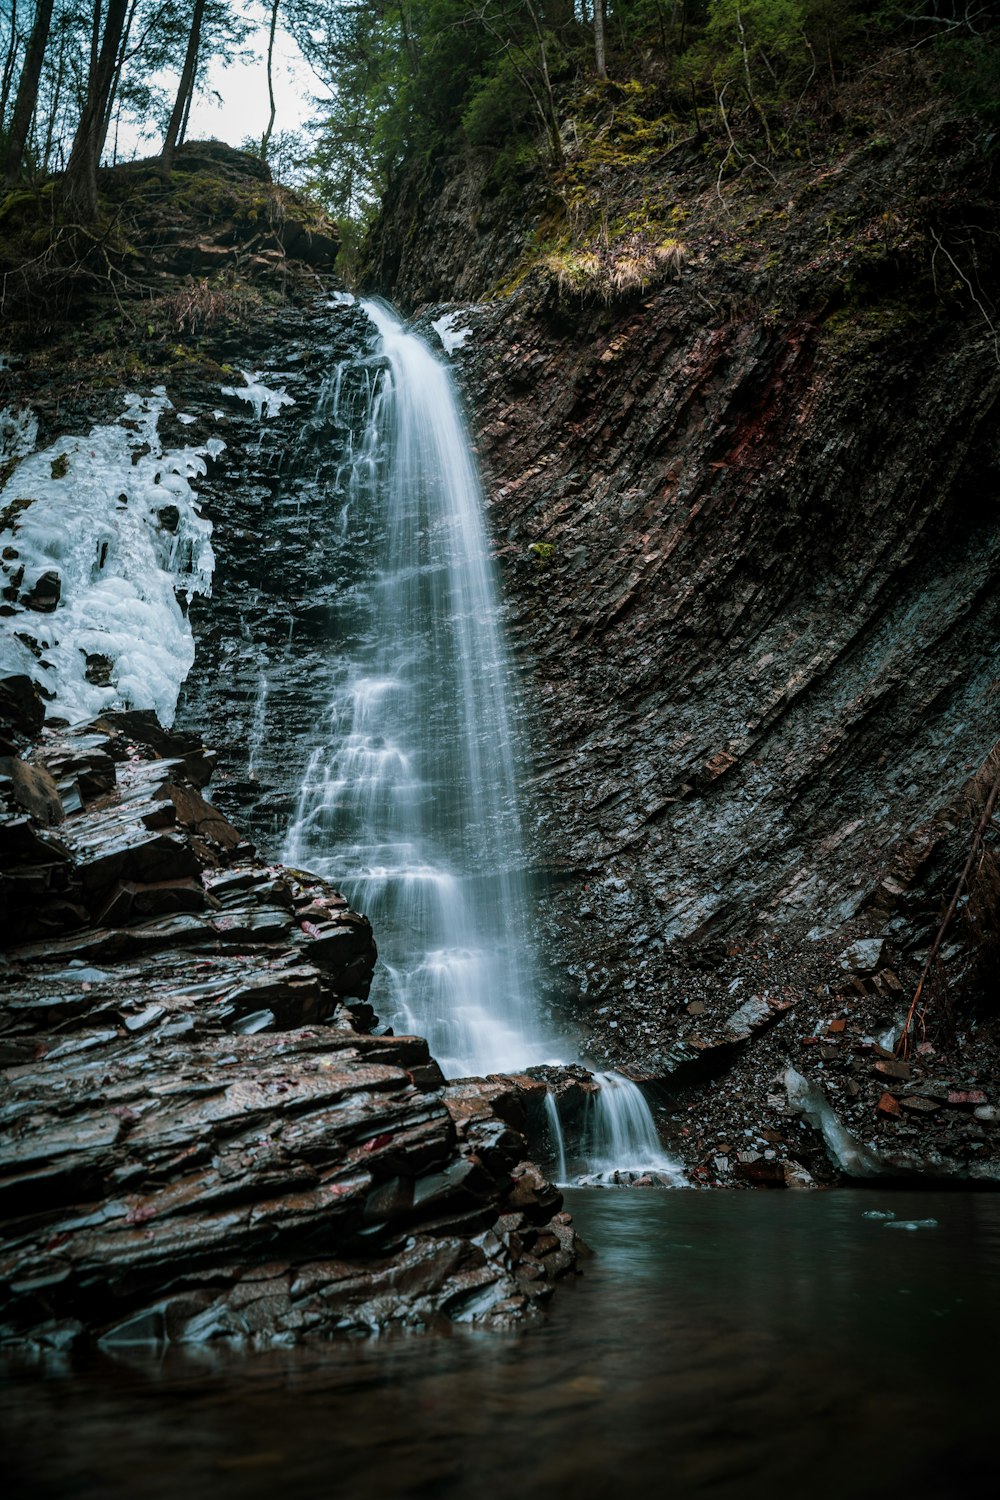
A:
{"points": [[411, 803], [620, 1140], [557, 1140]]}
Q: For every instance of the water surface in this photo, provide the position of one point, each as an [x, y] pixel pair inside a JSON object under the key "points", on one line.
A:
{"points": [[737, 1345]]}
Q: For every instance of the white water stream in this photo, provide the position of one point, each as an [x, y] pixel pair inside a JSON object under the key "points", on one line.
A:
{"points": [[410, 801]]}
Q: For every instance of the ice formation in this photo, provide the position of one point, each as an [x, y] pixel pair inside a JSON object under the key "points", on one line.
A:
{"points": [[18, 432], [849, 1155], [265, 402], [452, 338], [98, 534]]}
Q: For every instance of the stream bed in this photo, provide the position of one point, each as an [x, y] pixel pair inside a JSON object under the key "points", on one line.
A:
{"points": [[733, 1344]]}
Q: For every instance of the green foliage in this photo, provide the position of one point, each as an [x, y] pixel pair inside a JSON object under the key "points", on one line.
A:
{"points": [[542, 552], [757, 36], [970, 73], [498, 108]]}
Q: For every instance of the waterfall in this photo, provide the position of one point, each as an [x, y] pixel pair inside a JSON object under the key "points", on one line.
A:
{"points": [[621, 1140], [258, 726], [556, 1138], [410, 800]]}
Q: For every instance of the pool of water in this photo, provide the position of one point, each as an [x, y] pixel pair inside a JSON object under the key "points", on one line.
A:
{"points": [[727, 1344]]}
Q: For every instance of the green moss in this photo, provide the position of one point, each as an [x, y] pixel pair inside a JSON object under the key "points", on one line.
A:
{"points": [[542, 552], [26, 205], [60, 466], [190, 356], [854, 324], [202, 194]]}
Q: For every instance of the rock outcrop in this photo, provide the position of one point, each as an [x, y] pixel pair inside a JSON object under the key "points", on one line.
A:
{"points": [[746, 517], [202, 1139]]}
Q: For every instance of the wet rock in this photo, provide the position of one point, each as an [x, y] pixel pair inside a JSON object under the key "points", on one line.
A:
{"points": [[797, 1177], [200, 1108], [756, 1169], [132, 901], [44, 593], [891, 1069], [966, 1098], [22, 712], [918, 1105], [532, 1195], [200, 816], [864, 956], [98, 669], [31, 788]]}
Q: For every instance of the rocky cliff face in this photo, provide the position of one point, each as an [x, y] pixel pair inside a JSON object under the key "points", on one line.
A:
{"points": [[747, 518], [744, 503]]}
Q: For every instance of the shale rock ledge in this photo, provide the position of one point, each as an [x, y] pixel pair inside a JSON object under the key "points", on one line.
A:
{"points": [[201, 1137]]}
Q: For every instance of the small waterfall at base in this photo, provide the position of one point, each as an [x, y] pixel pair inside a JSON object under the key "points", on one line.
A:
{"points": [[557, 1140], [621, 1140], [411, 802]]}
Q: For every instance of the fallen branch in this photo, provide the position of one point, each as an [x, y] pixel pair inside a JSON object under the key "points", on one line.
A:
{"points": [[972, 293]]}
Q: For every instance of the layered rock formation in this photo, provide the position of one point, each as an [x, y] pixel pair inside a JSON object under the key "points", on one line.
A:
{"points": [[746, 513], [202, 1139]]}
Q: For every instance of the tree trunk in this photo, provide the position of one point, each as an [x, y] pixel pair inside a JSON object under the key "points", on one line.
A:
{"points": [[88, 143], [549, 112], [120, 61], [55, 102], [270, 80], [184, 89], [27, 89], [409, 44], [7, 81], [602, 67], [187, 112]]}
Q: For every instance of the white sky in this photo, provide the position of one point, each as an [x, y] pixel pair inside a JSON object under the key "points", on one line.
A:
{"points": [[243, 86], [244, 106]]}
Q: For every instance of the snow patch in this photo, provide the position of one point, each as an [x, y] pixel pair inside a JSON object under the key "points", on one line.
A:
{"points": [[110, 524]]}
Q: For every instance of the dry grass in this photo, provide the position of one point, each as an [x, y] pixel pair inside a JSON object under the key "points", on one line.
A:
{"points": [[200, 305], [627, 266]]}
